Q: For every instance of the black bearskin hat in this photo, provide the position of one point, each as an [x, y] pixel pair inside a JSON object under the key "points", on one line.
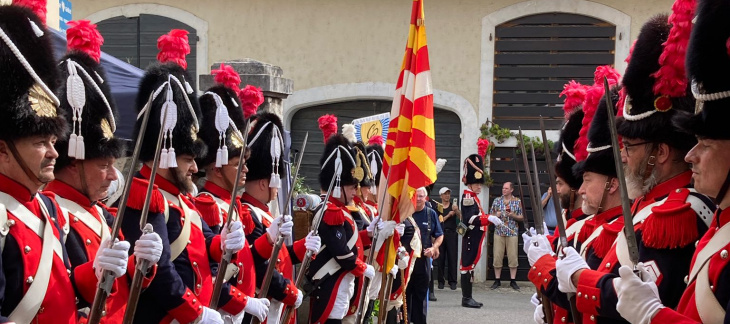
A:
{"points": [[98, 115], [564, 149], [338, 150], [708, 67], [209, 133], [647, 114], [600, 154], [375, 161], [361, 160], [473, 170], [266, 143], [185, 139], [29, 106]]}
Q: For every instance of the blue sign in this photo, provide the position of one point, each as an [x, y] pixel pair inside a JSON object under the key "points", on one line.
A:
{"points": [[64, 14]]}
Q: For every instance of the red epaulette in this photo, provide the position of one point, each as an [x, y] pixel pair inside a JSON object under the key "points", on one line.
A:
{"points": [[246, 219], [602, 244], [333, 216], [585, 232], [208, 208], [672, 224], [137, 196]]}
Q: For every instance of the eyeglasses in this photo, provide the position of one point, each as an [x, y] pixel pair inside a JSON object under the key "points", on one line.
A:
{"points": [[628, 146]]}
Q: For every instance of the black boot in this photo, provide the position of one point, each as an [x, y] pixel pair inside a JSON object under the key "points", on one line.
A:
{"points": [[431, 294], [496, 284], [466, 299], [514, 285]]}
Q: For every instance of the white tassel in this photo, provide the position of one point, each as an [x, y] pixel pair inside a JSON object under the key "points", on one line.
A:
{"points": [[224, 155], [36, 30], [80, 148], [188, 88], [274, 181], [373, 167], [171, 158], [338, 172], [163, 159], [218, 158], [72, 146], [374, 188]]}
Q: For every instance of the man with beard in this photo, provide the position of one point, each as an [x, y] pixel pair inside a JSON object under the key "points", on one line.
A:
{"points": [[707, 294], [189, 246], [214, 199], [567, 185], [262, 187], [600, 196], [83, 174], [36, 283], [334, 270], [668, 217]]}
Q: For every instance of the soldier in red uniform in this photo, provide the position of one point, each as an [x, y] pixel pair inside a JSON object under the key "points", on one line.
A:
{"points": [[668, 217], [223, 123], [190, 248], [334, 270], [263, 181], [707, 294], [83, 172], [37, 283]]}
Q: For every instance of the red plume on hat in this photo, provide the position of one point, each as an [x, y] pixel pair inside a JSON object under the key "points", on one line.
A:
{"points": [[251, 98], [376, 140], [482, 146], [228, 77], [174, 47], [83, 36], [575, 94], [671, 78], [590, 105], [37, 6], [328, 125]]}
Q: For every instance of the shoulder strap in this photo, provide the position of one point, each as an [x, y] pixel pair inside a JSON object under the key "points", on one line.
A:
{"points": [[178, 246]]}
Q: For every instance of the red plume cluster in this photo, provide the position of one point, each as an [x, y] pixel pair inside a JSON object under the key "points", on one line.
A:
{"points": [[83, 36], [328, 125], [376, 139], [482, 146], [671, 78], [575, 94], [251, 98], [173, 47], [37, 6], [590, 105], [228, 77]]}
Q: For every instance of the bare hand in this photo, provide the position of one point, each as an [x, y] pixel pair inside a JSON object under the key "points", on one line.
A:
{"points": [[550, 192], [436, 254], [428, 252]]}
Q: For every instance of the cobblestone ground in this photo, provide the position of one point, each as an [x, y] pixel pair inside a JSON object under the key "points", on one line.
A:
{"points": [[503, 305]]}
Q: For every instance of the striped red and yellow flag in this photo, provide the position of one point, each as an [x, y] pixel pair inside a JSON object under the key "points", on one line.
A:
{"points": [[410, 151]]}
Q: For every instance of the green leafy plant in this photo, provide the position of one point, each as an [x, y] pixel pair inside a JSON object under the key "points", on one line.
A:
{"points": [[300, 186], [492, 130]]}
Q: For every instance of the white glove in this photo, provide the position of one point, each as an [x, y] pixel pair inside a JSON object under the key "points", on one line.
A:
{"points": [[229, 318], [278, 226], [527, 238], [400, 229], [538, 247], [539, 315], [148, 247], [210, 316], [403, 261], [258, 307], [545, 229], [566, 267], [494, 220], [638, 300], [232, 238], [287, 226], [394, 270], [369, 272], [313, 242], [113, 259], [300, 297], [371, 226], [386, 229], [534, 300]]}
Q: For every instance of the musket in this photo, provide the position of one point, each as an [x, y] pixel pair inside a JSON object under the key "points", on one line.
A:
{"points": [[135, 288], [628, 218], [539, 216], [227, 255], [362, 300], [522, 197], [546, 304], [288, 311], [561, 226], [269, 274], [107, 278]]}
